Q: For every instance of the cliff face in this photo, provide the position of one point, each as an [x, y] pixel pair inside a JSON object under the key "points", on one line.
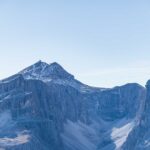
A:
{"points": [[121, 102], [43, 107], [139, 138]]}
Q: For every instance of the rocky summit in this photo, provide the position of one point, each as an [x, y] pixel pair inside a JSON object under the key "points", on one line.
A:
{"points": [[43, 107]]}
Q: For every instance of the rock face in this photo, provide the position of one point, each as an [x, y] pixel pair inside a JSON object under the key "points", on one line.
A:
{"points": [[139, 138], [121, 102], [44, 107]]}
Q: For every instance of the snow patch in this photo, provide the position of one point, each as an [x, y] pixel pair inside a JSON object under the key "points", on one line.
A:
{"points": [[21, 138], [119, 134]]}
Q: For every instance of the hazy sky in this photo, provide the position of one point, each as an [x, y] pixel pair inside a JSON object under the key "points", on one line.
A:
{"points": [[102, 42]]}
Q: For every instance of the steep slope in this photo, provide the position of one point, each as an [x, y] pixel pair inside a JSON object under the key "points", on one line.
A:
{"points": [[45, 72], [139, 138], [44, 107], [54, 73]]}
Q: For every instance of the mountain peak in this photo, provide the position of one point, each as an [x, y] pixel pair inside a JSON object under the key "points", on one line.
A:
{"points": [[43, 71], [56, 66], [39, 63]]}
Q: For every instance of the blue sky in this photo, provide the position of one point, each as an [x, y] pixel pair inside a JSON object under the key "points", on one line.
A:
{"points": [[103, 43]]}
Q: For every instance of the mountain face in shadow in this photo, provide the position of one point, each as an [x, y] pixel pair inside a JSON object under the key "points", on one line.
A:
{"points": [[43, 107]]}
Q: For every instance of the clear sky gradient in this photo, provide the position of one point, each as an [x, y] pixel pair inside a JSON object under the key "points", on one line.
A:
{"points": [[102, 42]]}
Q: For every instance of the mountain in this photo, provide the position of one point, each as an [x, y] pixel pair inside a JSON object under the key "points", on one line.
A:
{"points": [[44, 107]]}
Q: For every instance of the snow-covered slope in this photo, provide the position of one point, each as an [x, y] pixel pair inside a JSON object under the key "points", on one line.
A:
{"points": [[45, 72], [44, 107], [54, 73]]}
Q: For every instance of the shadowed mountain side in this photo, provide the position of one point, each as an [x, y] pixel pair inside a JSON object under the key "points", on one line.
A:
{"points": [[45, 107]]}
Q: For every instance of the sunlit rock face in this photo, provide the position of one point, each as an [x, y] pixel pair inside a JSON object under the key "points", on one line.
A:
{"points": [[44, 107]]}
